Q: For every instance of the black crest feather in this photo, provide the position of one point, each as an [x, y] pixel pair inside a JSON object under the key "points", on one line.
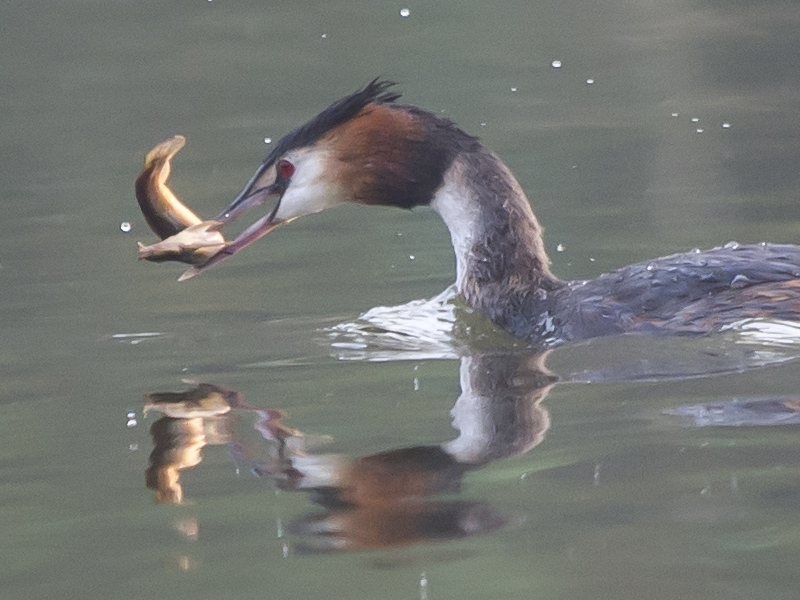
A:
{"points": [[376, 92]]}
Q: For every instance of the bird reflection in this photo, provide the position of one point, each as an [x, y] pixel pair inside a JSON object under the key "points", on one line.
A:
{"points": [[393, 498]]}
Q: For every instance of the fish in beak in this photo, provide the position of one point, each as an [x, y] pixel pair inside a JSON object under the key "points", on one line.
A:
{"points": [[269, 182], [185, 237]]}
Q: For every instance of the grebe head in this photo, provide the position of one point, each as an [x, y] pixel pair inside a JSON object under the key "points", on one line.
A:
{"points": [[363, 148]]}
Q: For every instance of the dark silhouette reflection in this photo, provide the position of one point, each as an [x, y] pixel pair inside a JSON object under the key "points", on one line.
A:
{"points": [[392, 498], [743, 412]]}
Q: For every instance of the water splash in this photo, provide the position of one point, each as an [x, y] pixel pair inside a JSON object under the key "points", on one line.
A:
{"points": [[417, 330]]}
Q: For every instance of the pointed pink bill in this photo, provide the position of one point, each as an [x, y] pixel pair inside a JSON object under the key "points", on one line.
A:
{"points": [[253, 233]]}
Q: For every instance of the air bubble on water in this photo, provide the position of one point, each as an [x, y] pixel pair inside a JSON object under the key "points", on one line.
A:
{"points": [[268, 140], [732, 245], [324, 35], [556, 64], [700, 130], [726, 125], [416, 384], [411, 257], [405, 13], [695, 120], [513, 89], [591, 259], [483, 124], [675, 114], [651, 267], [590, 81], [560, 248], [124, 227]]}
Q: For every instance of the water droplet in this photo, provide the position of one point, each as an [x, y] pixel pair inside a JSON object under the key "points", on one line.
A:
{"points": [[695, 120], [700, 130], [560, 248], [411, 256], [556, 64], [483, 124], [404, 12], [133, 447], [132, 423], [695, 250], [651, 267], [513, 89], [591, 259], [726, 125], [125, 227], [590, 81], [675, 114], [268, 140], [732, 245], [324, 35]]}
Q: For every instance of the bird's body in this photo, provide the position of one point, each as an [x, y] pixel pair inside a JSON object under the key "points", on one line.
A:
{"points": [[368, 149]]}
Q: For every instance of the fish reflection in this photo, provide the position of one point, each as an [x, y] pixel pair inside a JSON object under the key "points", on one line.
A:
{"points": [[193, 420], [393, 498]]}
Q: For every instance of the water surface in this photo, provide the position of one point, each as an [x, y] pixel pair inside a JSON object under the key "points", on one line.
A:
{"points": [[601, 486]]}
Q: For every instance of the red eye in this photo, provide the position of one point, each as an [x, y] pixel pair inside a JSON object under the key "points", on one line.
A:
{"points": [[285, 169]]}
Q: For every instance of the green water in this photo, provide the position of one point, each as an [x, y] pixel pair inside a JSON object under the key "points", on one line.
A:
{"points": [[618, 501]]}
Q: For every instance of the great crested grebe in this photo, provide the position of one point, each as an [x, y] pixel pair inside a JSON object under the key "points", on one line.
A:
{"points": [[366, 148]]}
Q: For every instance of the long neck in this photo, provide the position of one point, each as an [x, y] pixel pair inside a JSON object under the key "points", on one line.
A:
{"points": [[501, 263]]}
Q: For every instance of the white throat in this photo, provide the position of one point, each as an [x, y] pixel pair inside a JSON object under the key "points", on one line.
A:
{"points": [[460, 212]]}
